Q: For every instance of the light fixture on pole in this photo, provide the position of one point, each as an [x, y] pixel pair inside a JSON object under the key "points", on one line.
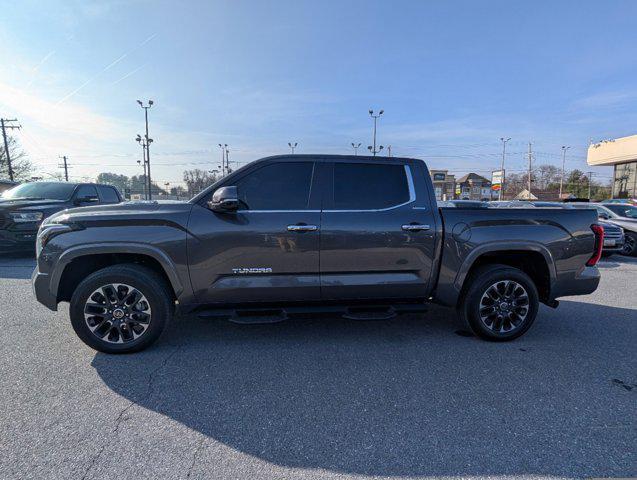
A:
{"points": [[355, 147], [372, 148], [292, 146], [504, 149], [148, 142]]}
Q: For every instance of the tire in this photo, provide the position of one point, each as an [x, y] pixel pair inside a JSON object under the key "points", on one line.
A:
{"points": [[512, 316], [630, 245], [137, 319]]}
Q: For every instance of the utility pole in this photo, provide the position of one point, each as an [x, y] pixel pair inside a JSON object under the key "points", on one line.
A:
{"points": [[355, 147], [564, 148], [590, 178], [4, 122], [65, 167], [372, 148], [292, 146], [389, 150], [504, 152], [223, 148], [530, 154], [228, 171], [148, 142]]}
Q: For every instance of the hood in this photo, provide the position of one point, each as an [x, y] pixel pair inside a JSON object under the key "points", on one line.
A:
{"points": [[626, 223], [13, 204], [608, 225], [125, 213]]}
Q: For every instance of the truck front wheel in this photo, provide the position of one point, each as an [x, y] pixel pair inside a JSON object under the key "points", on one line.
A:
{"points": [[500, 303], [121, 309]]}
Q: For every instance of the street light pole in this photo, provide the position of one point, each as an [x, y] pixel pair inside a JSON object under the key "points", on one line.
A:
{"points": [[504, 149], [564, 148], [142, 142], [372, 148], [148, 141], [355, 147], [292, 147]]}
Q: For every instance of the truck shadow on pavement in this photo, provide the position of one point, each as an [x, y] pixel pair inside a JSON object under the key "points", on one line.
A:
{"points": [[406, 397]]}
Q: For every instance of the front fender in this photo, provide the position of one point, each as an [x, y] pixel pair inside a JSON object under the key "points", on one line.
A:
{"points": [[77, 251]]}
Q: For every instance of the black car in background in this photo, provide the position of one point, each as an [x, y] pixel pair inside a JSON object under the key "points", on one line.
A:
{"points": [[628, 225], [23, 207]]}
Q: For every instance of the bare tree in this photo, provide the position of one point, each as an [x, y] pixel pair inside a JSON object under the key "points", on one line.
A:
{"points": [[196, 180], [20, 164]]}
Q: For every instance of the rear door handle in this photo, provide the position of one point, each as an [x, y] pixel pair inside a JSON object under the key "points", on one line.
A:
{"points": [[415, 227], [302, 228]]}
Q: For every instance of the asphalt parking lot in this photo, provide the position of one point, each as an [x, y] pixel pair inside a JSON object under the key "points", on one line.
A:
{"points": [[327, 398]]}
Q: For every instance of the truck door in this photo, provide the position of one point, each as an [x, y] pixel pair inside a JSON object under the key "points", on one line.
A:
{"points": [[266, 251], [377, 238]]}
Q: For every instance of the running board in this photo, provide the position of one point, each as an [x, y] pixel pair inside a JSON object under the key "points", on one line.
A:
{"points": [[247, 316]]}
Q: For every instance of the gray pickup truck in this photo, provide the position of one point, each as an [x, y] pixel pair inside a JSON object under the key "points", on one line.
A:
{"points": [[360, 237]]}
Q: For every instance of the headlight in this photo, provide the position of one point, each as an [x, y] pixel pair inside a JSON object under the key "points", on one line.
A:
{"points": [[22, 217]]}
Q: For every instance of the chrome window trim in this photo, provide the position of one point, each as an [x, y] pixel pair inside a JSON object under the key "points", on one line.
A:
{"points": [[412, 197]]}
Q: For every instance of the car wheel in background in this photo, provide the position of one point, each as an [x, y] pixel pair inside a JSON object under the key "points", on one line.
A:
{"points": [[121, 309], [500, 303], [630, 245]]}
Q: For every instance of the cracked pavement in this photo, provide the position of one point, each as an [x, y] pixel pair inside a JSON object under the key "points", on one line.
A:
{"points": [[323, 398]]}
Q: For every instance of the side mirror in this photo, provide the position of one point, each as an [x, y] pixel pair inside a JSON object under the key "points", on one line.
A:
{"points": [[604, 216], [224, 200], [85, 200]]}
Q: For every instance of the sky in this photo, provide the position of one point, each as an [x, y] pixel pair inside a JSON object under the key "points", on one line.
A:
{"points": [[452, 77]]}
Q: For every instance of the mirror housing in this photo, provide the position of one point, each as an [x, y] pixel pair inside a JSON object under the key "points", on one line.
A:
{"points": [[224, 200], [85, 200], [604, 216]]}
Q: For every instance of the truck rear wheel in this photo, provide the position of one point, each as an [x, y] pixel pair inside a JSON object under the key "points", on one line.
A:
{"points": [[121, 309], [500, 304]]}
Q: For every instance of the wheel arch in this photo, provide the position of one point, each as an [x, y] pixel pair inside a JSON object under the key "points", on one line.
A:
{"points": [[533, 259], [78, 262]]}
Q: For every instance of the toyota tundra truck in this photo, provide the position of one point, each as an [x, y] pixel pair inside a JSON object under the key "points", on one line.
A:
{"points": [[356, 236]]}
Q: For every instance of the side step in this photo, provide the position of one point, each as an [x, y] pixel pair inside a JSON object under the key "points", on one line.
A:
{"points": [[361, 312]]}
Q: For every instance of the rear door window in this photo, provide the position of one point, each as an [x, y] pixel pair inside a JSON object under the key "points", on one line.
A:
{"points": [[369, 186], [109, 195]]}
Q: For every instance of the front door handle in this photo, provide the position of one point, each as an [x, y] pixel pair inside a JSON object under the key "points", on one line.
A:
{"points": [[415, 227], [302, 228]]}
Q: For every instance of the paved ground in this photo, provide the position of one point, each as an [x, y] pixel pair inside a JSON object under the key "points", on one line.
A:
{"points": [[323, 399]]}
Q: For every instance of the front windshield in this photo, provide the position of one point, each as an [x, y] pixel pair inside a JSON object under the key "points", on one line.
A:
{"points": [[624, 210], [40, 191]]}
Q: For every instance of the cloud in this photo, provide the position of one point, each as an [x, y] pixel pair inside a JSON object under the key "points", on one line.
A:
{"points": [[607, 99]]}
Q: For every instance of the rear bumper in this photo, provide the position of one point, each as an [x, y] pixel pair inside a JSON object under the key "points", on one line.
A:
{"points": [[581, 282], [41, 283]]}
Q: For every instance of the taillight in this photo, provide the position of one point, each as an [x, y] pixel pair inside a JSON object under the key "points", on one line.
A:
{"points": [[598, 230]]}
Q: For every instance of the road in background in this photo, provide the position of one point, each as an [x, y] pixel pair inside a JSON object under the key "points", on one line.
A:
{"points": [[327, 398]]}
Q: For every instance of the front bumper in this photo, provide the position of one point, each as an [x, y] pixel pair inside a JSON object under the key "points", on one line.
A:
{"points": [[581, 282], [17, 240], [41, 283]]}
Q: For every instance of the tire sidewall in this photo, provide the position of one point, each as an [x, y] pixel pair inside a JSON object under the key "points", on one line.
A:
{"points": [[155, 294], [633, 252], [481, 284]]}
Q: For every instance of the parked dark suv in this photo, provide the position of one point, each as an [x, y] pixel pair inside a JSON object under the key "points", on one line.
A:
{"points": [[22, 208]]}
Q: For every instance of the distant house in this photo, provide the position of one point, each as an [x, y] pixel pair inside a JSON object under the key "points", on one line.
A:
{"points": [[444, 184], [541, 195], [473, 187], [6, 185]]}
